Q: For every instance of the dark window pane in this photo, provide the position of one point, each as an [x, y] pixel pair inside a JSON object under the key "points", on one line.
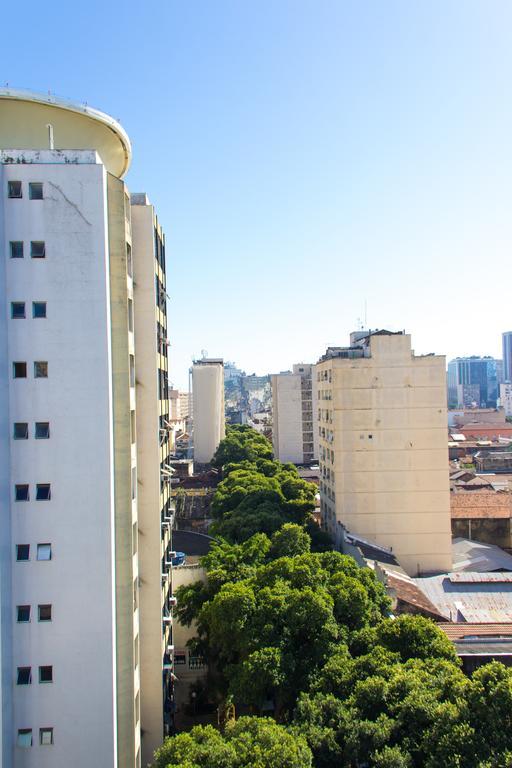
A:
{"points": [[42, 431], [24, 676], [35, 190], [38, 309], [14, 189], [22, 551], [20, 431], [44, 612], [37, 249], [23, 613], [16, 247], [21, 492], [17, 310], [46, 674], [19, 370], [40, 369], [42, 492]]}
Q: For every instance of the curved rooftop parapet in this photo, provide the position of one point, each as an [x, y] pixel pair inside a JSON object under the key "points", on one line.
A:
{"points": [[24, 120]]}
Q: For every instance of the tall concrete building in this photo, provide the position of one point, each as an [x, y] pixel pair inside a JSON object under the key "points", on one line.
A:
{"points": [[81, 539], [507, 356], [383, 449], [208, 407], [294, 403]]}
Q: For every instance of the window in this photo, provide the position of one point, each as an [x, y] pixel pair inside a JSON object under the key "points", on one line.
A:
{"points": [[18, 310], [46, 737], [136, 652], [44, 551], [24, 676], [22, 613], [137, 707], [37, 249], [24, 737], [43, 492], [14, 189], [180, 659], [19, 370], [134, 539], [35, 190], [38, 309], [46, 674], [22, 552], [132, 426], [40, 369], [20, 430], [130, 315], [132, 371], [134, 482], [21, 492], [135, 595], [42, 430], [129, 263], [16, 247], [44, 612]]}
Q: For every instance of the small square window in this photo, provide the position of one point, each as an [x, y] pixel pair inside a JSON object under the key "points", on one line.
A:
{"points": [[21, 492], [24, 676], [24, 737], [43, 492], [46, 737], [37, 249], [22, 552], [44, 612], [35, 190], [46, 674], [18, 310], [38, 309], [16, 247], [22, 613], [19, 370], [44, 551], [14, 189], [42, 430], [20, 430], [40, 369]]}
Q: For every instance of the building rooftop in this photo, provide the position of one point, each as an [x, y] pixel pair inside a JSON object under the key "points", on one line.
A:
{"points": [[478, 557], [480, 504], [479, 601], [25, 117]]}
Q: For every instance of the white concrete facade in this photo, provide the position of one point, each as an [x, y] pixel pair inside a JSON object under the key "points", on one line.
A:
{"points": [[208, 408], [506, 399], [383, 449], [294, 402], [77, 461]]}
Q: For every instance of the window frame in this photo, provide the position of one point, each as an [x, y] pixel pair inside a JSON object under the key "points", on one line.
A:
{"points": [[19, 550], [24, 732], [16, 425], [16, 363], [37, 369], [46, 730], [13, 247], [22, 672], [41, 672], [43, 492], [11, 185], [40, 551], [33, 249], [39, 425], [19, 608], [39, 611], [21, 492], [35, 186], [39, 304], [21, 306]]}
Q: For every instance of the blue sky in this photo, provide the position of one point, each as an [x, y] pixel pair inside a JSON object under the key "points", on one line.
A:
{"points": [[304, 156]]}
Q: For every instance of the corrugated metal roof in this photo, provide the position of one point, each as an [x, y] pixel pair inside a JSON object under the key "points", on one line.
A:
{"points": [[479, 602], [475, 556], [480, 578]]}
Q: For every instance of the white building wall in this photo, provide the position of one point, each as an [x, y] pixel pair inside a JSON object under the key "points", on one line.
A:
{"points": [[208, 409], [506, 399], [287, 417], [77, 461]]}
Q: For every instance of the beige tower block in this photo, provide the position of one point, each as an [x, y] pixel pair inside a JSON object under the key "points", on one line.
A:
{"points": [[383, 448]]}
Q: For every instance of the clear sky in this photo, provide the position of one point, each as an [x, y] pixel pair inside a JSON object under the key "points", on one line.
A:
{"points": [[304, 157]]}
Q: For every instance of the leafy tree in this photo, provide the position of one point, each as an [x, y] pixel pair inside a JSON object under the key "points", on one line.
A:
{"points": [[242, 443], [252, 742], [415, 637], [288, 541]]}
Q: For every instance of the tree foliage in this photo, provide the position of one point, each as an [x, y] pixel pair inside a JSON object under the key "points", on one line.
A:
{"points": [[252, 742]]}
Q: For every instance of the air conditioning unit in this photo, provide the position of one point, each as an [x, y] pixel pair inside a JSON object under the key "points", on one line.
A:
{"points": [[173, 602], [170, 649]]}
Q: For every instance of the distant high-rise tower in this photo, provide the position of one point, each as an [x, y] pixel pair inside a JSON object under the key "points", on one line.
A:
{"points": [[383, 448], [208, 407], [294, 428], [507, 356], [474, 380]]}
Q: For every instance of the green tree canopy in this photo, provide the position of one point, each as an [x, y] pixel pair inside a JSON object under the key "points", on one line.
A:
{"points": [[252, 742]]}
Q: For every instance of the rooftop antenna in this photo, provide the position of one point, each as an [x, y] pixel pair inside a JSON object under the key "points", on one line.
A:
{"points": [[50, 136]]}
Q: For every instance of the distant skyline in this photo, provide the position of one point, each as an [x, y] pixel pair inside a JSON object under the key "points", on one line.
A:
{"points": [[304, 157]]}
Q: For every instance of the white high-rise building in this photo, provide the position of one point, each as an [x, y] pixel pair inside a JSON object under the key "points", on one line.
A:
{"points": [[78, 667], [294, 404], [208, 407]]}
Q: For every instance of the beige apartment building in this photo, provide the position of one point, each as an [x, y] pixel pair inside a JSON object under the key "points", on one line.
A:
{"points": [[383, 454], [208, 407], [294, 433]]}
